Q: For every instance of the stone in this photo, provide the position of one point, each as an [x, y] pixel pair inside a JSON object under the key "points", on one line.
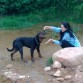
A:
{"points": [[69, 57], [52, 72], [14, 76], [78, 77], [57, 73], [57, 65], [47, 68], [9, 66], [80, 68], [22, 77], [54, 80], [28, 76], [50, 80], [68, 77], [60, 79]]}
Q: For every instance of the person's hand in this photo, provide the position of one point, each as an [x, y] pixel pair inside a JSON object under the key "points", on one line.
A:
{"points": [[50, 40], [46, 27]]}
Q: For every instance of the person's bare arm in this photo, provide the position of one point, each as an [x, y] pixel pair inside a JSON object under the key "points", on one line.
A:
{"points": [[47, 27], [49, 41]]}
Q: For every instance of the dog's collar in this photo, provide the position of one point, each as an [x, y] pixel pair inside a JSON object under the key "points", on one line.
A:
{"points": [[36, 41]]}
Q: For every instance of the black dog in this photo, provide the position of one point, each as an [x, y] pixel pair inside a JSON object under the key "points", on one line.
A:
{"points": [[30, 42]]}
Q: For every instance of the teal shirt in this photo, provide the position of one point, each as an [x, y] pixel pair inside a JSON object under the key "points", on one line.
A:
{"points": [[74, 41]]}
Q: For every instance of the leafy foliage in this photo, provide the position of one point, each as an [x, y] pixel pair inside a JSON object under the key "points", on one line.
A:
{"points": [[24, 13], [58, 7], [10, 7], [78, 13]]}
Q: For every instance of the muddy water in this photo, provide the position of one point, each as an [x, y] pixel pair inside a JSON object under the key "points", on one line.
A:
{"points": [[34, 70]]}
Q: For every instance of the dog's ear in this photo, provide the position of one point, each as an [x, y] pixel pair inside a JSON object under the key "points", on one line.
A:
{"points": [[43, 34], [40, 34]]}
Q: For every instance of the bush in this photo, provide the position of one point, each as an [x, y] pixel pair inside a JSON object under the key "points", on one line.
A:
{"points": [[78, 13], [10, 7]]}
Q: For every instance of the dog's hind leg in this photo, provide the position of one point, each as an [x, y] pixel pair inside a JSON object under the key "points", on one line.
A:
{"points": [[21, 52], [13, 54]]}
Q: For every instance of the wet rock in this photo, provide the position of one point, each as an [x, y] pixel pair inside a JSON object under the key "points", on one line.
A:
{"points": [[57, 65], [28, 76], [80, 68], [52, 72], [47, 68], [54, 80], [11, 75], [69, 57], [9, 66], [21, 77], [68, 77], [14, 77], [78, 77], [50, 80], [60, 79], [57, 73]]}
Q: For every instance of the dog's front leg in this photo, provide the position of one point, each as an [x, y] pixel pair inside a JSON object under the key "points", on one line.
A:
{"points": [[38, 50], [32, 52]]}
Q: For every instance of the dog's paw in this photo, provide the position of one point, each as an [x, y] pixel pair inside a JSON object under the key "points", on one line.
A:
{"points": [[40, 56], [33, 60], [12, 59], [24, 61]]}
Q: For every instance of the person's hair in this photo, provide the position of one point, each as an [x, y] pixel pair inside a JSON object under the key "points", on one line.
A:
{"points": [[69, 29]]}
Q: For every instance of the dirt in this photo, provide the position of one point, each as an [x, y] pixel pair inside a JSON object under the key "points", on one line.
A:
{"points": [[35, 70]]}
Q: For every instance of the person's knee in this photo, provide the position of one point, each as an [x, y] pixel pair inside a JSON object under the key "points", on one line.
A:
{"points": [[63, 42], [67, 44]]}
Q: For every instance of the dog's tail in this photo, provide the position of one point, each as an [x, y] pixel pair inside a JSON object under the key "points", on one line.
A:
{"points": [[10, 50]]}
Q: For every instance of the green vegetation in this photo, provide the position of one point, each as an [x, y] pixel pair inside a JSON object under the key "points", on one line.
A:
{"points": [[17, 14], [49, 62], [16, 22]]}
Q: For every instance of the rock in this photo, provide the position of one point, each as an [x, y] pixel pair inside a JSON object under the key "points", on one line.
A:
{"points": [[54, 80], [78, 77], [60, 79], [11, 75], [28, 76], [57, 73], [80, 68], [14, 76], [57, 65], [22, 77], [47, 68], [52, 72], [68, 77], [69, 57], [9, 66], [49, 80]]}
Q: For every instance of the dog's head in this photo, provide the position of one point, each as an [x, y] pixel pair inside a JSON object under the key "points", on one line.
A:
{"points": [[40, 36]]}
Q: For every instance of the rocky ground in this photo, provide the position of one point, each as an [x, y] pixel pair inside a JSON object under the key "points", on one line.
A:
{"points": [[31, 72]]}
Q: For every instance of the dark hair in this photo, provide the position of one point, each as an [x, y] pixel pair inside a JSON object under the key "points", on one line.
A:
{"points": [[68, 27]]}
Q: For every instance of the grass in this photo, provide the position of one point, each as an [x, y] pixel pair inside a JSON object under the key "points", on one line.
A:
{"points": [[27, 21], [16, 22]]}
